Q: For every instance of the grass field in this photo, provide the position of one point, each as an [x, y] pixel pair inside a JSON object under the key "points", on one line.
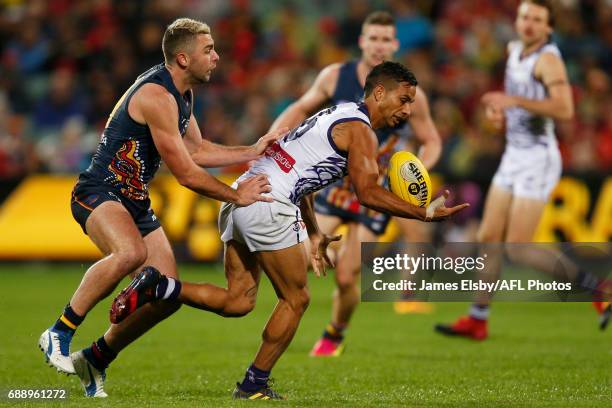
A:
{"points": [[539, 355]]}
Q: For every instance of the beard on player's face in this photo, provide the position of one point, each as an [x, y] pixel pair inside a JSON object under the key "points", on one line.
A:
{"points": [[198, 76], [202, 80], [200, 71]]}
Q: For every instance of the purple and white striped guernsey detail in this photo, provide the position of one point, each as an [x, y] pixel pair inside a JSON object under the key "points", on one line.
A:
{"points": [[307, 159]]}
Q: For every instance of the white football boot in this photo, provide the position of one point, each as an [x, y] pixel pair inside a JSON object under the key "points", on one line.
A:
{"points": [[91, 378], [56, 347]]}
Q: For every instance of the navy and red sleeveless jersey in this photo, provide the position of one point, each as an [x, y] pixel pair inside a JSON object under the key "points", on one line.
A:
{"points": [[126, 158]]}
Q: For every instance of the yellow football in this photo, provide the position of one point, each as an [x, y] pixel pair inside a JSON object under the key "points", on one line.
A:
{"points": [[409, 179]]}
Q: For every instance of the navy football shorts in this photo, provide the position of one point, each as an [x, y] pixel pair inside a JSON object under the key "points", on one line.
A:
{"points": [[87, 196]]}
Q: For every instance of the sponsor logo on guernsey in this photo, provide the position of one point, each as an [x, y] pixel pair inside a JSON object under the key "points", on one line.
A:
{"points": [[281, 157]]}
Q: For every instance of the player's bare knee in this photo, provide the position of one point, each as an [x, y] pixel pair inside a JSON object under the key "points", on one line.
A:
{"points": [[299, 301], [346, 281], [236, 310], [238, 307], [129, 260]]}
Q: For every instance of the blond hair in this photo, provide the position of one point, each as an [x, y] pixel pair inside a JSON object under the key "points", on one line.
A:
{"points": [[179, 35]]}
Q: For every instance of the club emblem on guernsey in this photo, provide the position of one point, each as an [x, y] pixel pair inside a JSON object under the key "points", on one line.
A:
{"points": [[281, 157], [298, 226], [127, 168]]}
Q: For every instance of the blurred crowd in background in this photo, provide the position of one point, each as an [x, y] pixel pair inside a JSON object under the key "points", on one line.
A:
{"points": [[64, 64]]}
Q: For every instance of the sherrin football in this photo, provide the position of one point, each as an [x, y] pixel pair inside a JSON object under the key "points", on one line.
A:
{"points": [[409, 179]]}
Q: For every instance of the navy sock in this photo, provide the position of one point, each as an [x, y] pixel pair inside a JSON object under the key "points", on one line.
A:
{"points": [[334, 332], [99, 354], [254, 379], [68, 321], [168, 288]]}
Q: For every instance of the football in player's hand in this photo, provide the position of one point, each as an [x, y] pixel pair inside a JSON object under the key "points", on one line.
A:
{"points": [[409, 179]]}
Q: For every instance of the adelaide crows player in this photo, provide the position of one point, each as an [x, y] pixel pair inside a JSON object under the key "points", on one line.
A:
{"points": [[153, 121]]}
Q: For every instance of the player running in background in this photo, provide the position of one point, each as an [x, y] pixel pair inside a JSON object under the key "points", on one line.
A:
{"points": [[537, 91], [152, 121], [337, 204], [270, 235]]}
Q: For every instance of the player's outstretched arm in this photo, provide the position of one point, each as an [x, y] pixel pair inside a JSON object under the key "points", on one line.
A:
{"points": [[559, 103], [425, 130], [359, 140], [319, 93], [208, 154], [159, 111]]}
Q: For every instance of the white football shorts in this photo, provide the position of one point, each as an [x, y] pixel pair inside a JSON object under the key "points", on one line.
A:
{"points": [[530, 172], [263, 226]]}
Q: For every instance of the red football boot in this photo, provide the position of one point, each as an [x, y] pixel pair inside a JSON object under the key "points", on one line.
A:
{"points": [[326, 347], [140, 292], [466, 326]]}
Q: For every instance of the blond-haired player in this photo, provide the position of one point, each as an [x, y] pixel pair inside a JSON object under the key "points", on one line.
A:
{"points": [[152, 121]]}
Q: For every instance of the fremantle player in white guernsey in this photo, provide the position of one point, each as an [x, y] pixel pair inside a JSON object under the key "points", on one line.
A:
{"points": [[531, 165], [329, 145], [337, 204], [536, 92]]}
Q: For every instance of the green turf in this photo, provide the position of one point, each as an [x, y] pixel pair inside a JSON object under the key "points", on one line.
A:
{"points": [[538, 355]]}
